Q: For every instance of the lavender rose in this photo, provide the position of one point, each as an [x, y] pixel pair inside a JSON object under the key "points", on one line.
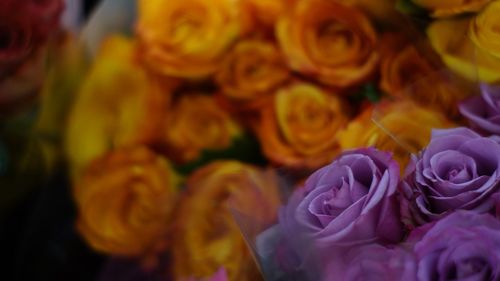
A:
{"points": [[348, 202], [464, 246], [483, 111], [373, 262], [459, 169]]}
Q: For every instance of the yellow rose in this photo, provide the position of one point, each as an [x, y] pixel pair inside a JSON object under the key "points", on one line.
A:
{"points": [[484, 30], [444, 8], [186, 38], [298, 129], [124, 202], [407, 73], [469, 46], [196, 123], [119, 104], [400, 127], [328, 40], [250, 73], [206, 236]]}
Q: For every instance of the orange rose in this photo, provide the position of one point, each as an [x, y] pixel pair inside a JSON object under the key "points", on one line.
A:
{"points": [[197, 123], [407, 73], [124, 200], [206, 236], [451, 7], [298, 129], [250, 73], [329, 40], [187, 38], [117, 105], [401, 127]]}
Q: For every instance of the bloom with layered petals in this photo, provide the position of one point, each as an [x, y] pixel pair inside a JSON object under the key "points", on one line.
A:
{"points": [[124, 201], [299, 128], [400, 127], [461, 247], [351, 201], [206, 236], [469, 45], [328, 40], [196, 123], [251, 72], [459, 169], [186, 38]]}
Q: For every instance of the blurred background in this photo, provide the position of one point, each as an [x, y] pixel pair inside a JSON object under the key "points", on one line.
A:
{"points": [[37, 236]]}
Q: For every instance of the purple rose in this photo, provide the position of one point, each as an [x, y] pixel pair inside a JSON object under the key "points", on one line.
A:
{"points": [[348, 202], [459, 169], [464, 246], [372, 262], [483, 111]]}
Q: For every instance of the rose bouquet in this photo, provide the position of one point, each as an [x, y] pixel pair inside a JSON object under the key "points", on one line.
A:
{"points": [[289, 140]]}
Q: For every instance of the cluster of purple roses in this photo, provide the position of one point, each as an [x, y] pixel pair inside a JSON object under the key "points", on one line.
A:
{"points": [[357, 219]]}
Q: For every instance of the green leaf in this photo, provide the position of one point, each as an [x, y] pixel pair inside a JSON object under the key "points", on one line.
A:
{"points": [[245, 149], [410, 8]]}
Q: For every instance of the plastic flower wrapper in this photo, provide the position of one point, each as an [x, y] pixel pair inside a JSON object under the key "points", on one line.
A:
{"points": [[346, 204], [204, 236], [401, 127]]}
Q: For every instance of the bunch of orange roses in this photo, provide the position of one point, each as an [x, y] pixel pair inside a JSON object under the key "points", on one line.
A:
{"points": [[199, 80]]}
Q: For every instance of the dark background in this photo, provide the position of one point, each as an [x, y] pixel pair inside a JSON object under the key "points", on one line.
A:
{"points": [[38, 240]]}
